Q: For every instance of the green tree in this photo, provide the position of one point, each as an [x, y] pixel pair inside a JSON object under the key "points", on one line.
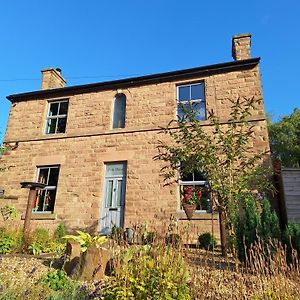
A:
{"points": [[222, 151], [285, 139]]}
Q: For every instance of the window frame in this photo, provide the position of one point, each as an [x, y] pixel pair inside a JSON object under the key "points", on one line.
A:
{"points": [[191, 101], [113, 111], [46, 188], [194, 183], [57, 117]]}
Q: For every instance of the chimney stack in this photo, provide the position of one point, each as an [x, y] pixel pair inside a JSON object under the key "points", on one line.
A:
{"points": [[52, 79], [241, 45]]}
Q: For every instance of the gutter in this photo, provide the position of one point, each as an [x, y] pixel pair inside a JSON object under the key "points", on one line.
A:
{"points": [[137, 81]]}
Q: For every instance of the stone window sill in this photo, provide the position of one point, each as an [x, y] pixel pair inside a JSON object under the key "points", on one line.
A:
{"points": [[197, 216], [37, 216]]}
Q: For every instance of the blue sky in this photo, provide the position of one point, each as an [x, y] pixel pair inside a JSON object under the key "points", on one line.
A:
{"points": [[100, 40]]}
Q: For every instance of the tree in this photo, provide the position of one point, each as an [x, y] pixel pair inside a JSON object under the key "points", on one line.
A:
{"points": [[223, 152], [285, 139]]}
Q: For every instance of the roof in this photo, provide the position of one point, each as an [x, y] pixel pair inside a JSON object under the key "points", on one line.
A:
{"points": [[137, 81]]}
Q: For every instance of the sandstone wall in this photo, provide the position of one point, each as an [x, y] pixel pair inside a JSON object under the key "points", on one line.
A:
{"points": [[89, 142]]}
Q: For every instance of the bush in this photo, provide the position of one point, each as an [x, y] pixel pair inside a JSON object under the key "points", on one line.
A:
{"points": [[86, 240], [56, 279], [254, 224], [148, 272], [35, 248], [11, 241], [291, 239], [116, 233], [207, 241], [60, 232], [41, 236], [6, 244]]}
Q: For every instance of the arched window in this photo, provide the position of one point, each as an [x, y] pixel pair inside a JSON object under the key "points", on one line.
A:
{"points": [[119, 111]]}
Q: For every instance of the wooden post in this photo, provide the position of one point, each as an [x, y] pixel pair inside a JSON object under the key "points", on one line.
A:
{"points": [[31, 198], [33, 187]]}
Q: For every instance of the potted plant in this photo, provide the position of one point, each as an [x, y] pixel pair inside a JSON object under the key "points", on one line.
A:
{"points": [[190, 197]]}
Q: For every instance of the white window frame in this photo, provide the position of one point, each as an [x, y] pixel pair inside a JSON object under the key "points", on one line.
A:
{"points": [[58, 116], [46, 188], [191, 101], [203, 183]]}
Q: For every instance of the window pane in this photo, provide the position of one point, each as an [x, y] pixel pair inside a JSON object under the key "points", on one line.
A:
{"points": [[197, 91], [119, 192], [61, 126], [51, 125], [43, 176], [199, 176], [119, 111], [49, 200], [40, 200], [63, 108], [53, 177], [200, 112], [183, 109], [187, 177], [109, 191], [115, 169], [184, 93], [53, 110]]}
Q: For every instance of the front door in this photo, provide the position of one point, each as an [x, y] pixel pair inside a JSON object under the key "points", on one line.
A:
{"points": [[114, 197]]}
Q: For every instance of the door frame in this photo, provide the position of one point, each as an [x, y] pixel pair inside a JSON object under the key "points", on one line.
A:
{"points": [[104, 187]]}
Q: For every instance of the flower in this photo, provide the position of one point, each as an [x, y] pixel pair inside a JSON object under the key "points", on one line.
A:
{"points": [[189, 190], [191, 195], [260, 196], [187, 196]]}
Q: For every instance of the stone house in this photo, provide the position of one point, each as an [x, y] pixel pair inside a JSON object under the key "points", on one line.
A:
{"points": [[93, 145]]}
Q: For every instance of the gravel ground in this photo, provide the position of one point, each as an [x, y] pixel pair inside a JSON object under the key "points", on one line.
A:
{"points": [[19, 274]]}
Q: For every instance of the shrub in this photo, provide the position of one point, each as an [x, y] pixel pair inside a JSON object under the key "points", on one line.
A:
{"points": [[207, 241], [11, 241], [86, 240], [60, 232], [41, 236], [116, 233], [55, 247], [56, 279], [291, 238], [35, 248], [6, 244], [149, 272], [253, 225]]}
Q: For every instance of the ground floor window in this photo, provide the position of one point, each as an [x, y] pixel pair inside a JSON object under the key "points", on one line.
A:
{"points": [[45, 200], [195, 186]]}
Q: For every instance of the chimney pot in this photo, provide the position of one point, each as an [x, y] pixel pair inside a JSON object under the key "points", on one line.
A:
{"points": [[241, 45]]}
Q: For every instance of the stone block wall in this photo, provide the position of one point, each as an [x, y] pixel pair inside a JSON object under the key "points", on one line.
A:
{"points": [[89, 142]]}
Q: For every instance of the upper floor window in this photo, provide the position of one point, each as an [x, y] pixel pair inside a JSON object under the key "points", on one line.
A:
{"points": [[191, 97], [119, 111], [46, 197], [57, 117]]}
